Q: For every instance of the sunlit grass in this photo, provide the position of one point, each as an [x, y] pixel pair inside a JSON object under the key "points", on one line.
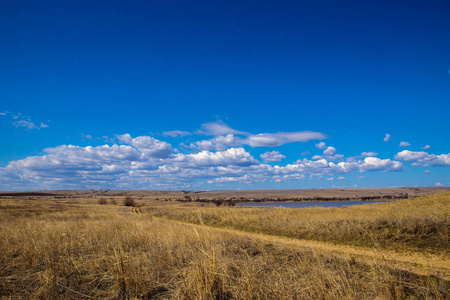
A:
{"points": [[420, 224], [80, 250]]}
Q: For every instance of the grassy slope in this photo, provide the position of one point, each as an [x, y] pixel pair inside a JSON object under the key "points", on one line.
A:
{"points": [[420, 224], [74, 250]]}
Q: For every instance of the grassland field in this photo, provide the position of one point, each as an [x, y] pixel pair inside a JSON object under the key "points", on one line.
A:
{"points": [[77, 248]]}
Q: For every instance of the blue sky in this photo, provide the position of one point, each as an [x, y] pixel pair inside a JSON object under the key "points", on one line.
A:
{"points": [[224, 94]]}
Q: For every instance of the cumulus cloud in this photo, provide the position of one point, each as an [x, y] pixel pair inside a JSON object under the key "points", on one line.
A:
{"points": [[324, 167], [272, 156], [425, 147], [422, 158], [363, 154], [145, 162], [147, 145], [387, 137], [438, 184], [18, 120], [404, 144], [427, 172], [321, 146], [138, 163], [232, 156], [330, 153]]}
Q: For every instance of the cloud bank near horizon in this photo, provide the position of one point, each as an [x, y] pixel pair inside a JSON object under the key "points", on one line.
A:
{"points": [[145, 162]]}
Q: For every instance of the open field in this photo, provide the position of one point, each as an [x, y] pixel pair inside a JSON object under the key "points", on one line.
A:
{"points": [[243, 195], [76, 248], [420, 224]]}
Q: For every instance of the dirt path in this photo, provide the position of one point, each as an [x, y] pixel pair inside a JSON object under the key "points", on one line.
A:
{"points": [[419, 263]]}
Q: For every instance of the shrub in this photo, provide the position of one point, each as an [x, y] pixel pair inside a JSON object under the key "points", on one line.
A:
{"points": [[113, 201], [218, 202], [129, 201], [102, 201]]}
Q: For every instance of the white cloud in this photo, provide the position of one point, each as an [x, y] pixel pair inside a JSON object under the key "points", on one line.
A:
{"points": [[135, 165], [25, 123], [321, 146], [366, 154], [281, 138], [422, 158], [438, 184], [427, 172], [272, 156], [289, 177], [246, 179], [218, 143], [131, 166], [86, 136], [404, 144], [330, 151], [330, 178], [147, 145], [322, 166], [19, 120], [219, 128], [257, 140], [144, 162], [232, 156], [305, 153], [425, 147], [176, 133], [376, 164], [387, 137], [225, 136]]}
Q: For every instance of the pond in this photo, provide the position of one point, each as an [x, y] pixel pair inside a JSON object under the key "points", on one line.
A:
{"points": [[307, 204]]}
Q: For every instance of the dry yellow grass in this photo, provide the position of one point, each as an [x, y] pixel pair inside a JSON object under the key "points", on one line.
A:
{"points": [[80, 250], [420, 224]]}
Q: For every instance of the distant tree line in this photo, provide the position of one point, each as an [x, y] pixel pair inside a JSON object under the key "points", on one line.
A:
{"points": [[233, 200]]}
